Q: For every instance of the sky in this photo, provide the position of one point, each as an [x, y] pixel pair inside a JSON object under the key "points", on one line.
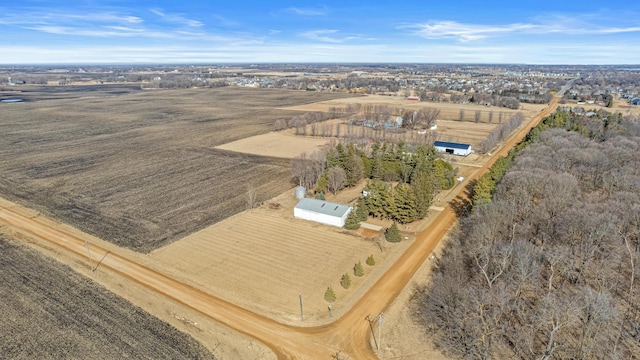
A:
{"points": [[211, 31]]}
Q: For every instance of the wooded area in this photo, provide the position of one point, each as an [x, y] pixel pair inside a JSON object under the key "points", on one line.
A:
{"points": [[547, 268]]}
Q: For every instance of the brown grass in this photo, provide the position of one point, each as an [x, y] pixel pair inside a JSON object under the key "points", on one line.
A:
{"points": [[268, 258]]}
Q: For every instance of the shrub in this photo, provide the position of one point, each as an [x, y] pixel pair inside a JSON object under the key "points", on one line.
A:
{"points": [[393, 234], [345, 282], [371, 261], [329, 295], [358, 270]]}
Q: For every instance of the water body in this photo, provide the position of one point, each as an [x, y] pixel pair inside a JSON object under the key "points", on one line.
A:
{"points": [[11, 100]]}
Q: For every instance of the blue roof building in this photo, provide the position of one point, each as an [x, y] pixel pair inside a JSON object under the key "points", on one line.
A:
{"points": [[453, 148]]}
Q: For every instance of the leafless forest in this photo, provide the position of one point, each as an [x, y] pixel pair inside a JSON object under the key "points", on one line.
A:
{"points": [[51, 312], [548, 269]]}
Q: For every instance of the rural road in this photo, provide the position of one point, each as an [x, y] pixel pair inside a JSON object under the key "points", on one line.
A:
{"points": [[349, 334]]}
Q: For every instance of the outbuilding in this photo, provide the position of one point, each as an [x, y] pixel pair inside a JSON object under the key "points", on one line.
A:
{"points": [[321, 211], [453, 148]]}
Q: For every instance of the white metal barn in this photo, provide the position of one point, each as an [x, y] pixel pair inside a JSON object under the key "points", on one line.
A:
{"points": [[452, 148], [322, 211]]}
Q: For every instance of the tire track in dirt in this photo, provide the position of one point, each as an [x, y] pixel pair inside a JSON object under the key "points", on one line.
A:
{"points": [[348, 334]]}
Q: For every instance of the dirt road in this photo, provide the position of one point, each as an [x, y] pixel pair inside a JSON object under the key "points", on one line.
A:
{"points": [[350, 334]]}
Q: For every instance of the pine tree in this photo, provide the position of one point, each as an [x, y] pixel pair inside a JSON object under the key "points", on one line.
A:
{"points": [[345, 281], [404, 204], [378, 199], [361, 211], [358, 270], [320, 196], [352, 222], [422, 185], [329, 295], [370, 260], [393, 234]]}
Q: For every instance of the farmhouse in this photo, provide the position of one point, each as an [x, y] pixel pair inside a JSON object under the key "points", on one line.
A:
{"points": [[452, 148], [322, 211]]}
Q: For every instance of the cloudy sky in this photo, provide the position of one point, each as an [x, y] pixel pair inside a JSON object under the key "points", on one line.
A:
{"points": [[459, 31]]}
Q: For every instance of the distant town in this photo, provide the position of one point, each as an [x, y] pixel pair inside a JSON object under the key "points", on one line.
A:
{"points": [[492, 85]]}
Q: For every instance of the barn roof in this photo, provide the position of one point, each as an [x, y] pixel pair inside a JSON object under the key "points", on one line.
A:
{"points": [[323, 207], [451, 145]]}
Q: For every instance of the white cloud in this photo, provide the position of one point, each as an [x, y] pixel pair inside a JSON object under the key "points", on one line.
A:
{"points": [[472, 32], [307, 11], [537, 53], [56, 16], [177, 19], [324, 35]]}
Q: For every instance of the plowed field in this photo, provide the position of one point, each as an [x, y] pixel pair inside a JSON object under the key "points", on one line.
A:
{"points": [[140, 170], [49, 311]]}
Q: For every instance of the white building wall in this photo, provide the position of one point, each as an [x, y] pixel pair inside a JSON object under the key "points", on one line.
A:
{"points": [[321, 218], [460, 152]]}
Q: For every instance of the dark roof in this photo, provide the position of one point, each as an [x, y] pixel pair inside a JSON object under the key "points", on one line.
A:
{"points": [[323, 207], [452, 145]]}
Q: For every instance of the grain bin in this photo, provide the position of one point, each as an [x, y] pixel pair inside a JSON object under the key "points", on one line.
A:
{"points": [[301, 192]]}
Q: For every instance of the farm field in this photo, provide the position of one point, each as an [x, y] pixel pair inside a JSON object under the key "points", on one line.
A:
{"points": [[285, 144], [282, 144], [51, 312], [140, 170], [30, 93], [264, 258], [448, 111]]}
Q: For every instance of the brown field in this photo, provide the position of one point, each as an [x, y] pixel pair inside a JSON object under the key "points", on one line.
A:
{"points": [[51, 312], [448, 111], [282, 144], [262, 259], [30, 93], [140, 170], [285, 144]]}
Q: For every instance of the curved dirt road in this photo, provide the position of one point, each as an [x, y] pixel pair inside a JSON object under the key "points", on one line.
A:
{"points": [[349, 334]]}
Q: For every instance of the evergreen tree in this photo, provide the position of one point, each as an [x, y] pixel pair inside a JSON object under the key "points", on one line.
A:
{"points": [[393, 234], [354, 168], [370, 260], [376, 166], [358, 270], [422, 185], [323, 184], [345, 281], [404, 204], [483, 190], [361, 211], [352, 222], [330, 295], [378, 199], [444, 174], [320, 196], [333, 157]]}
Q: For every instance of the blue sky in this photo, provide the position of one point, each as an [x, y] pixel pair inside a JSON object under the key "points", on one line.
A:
{"points": [[119, 31]]}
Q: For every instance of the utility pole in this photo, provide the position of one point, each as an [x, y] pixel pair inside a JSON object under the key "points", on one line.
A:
{"points": [[301, 313], [380, 320], [86, 244], [370, 320]]}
